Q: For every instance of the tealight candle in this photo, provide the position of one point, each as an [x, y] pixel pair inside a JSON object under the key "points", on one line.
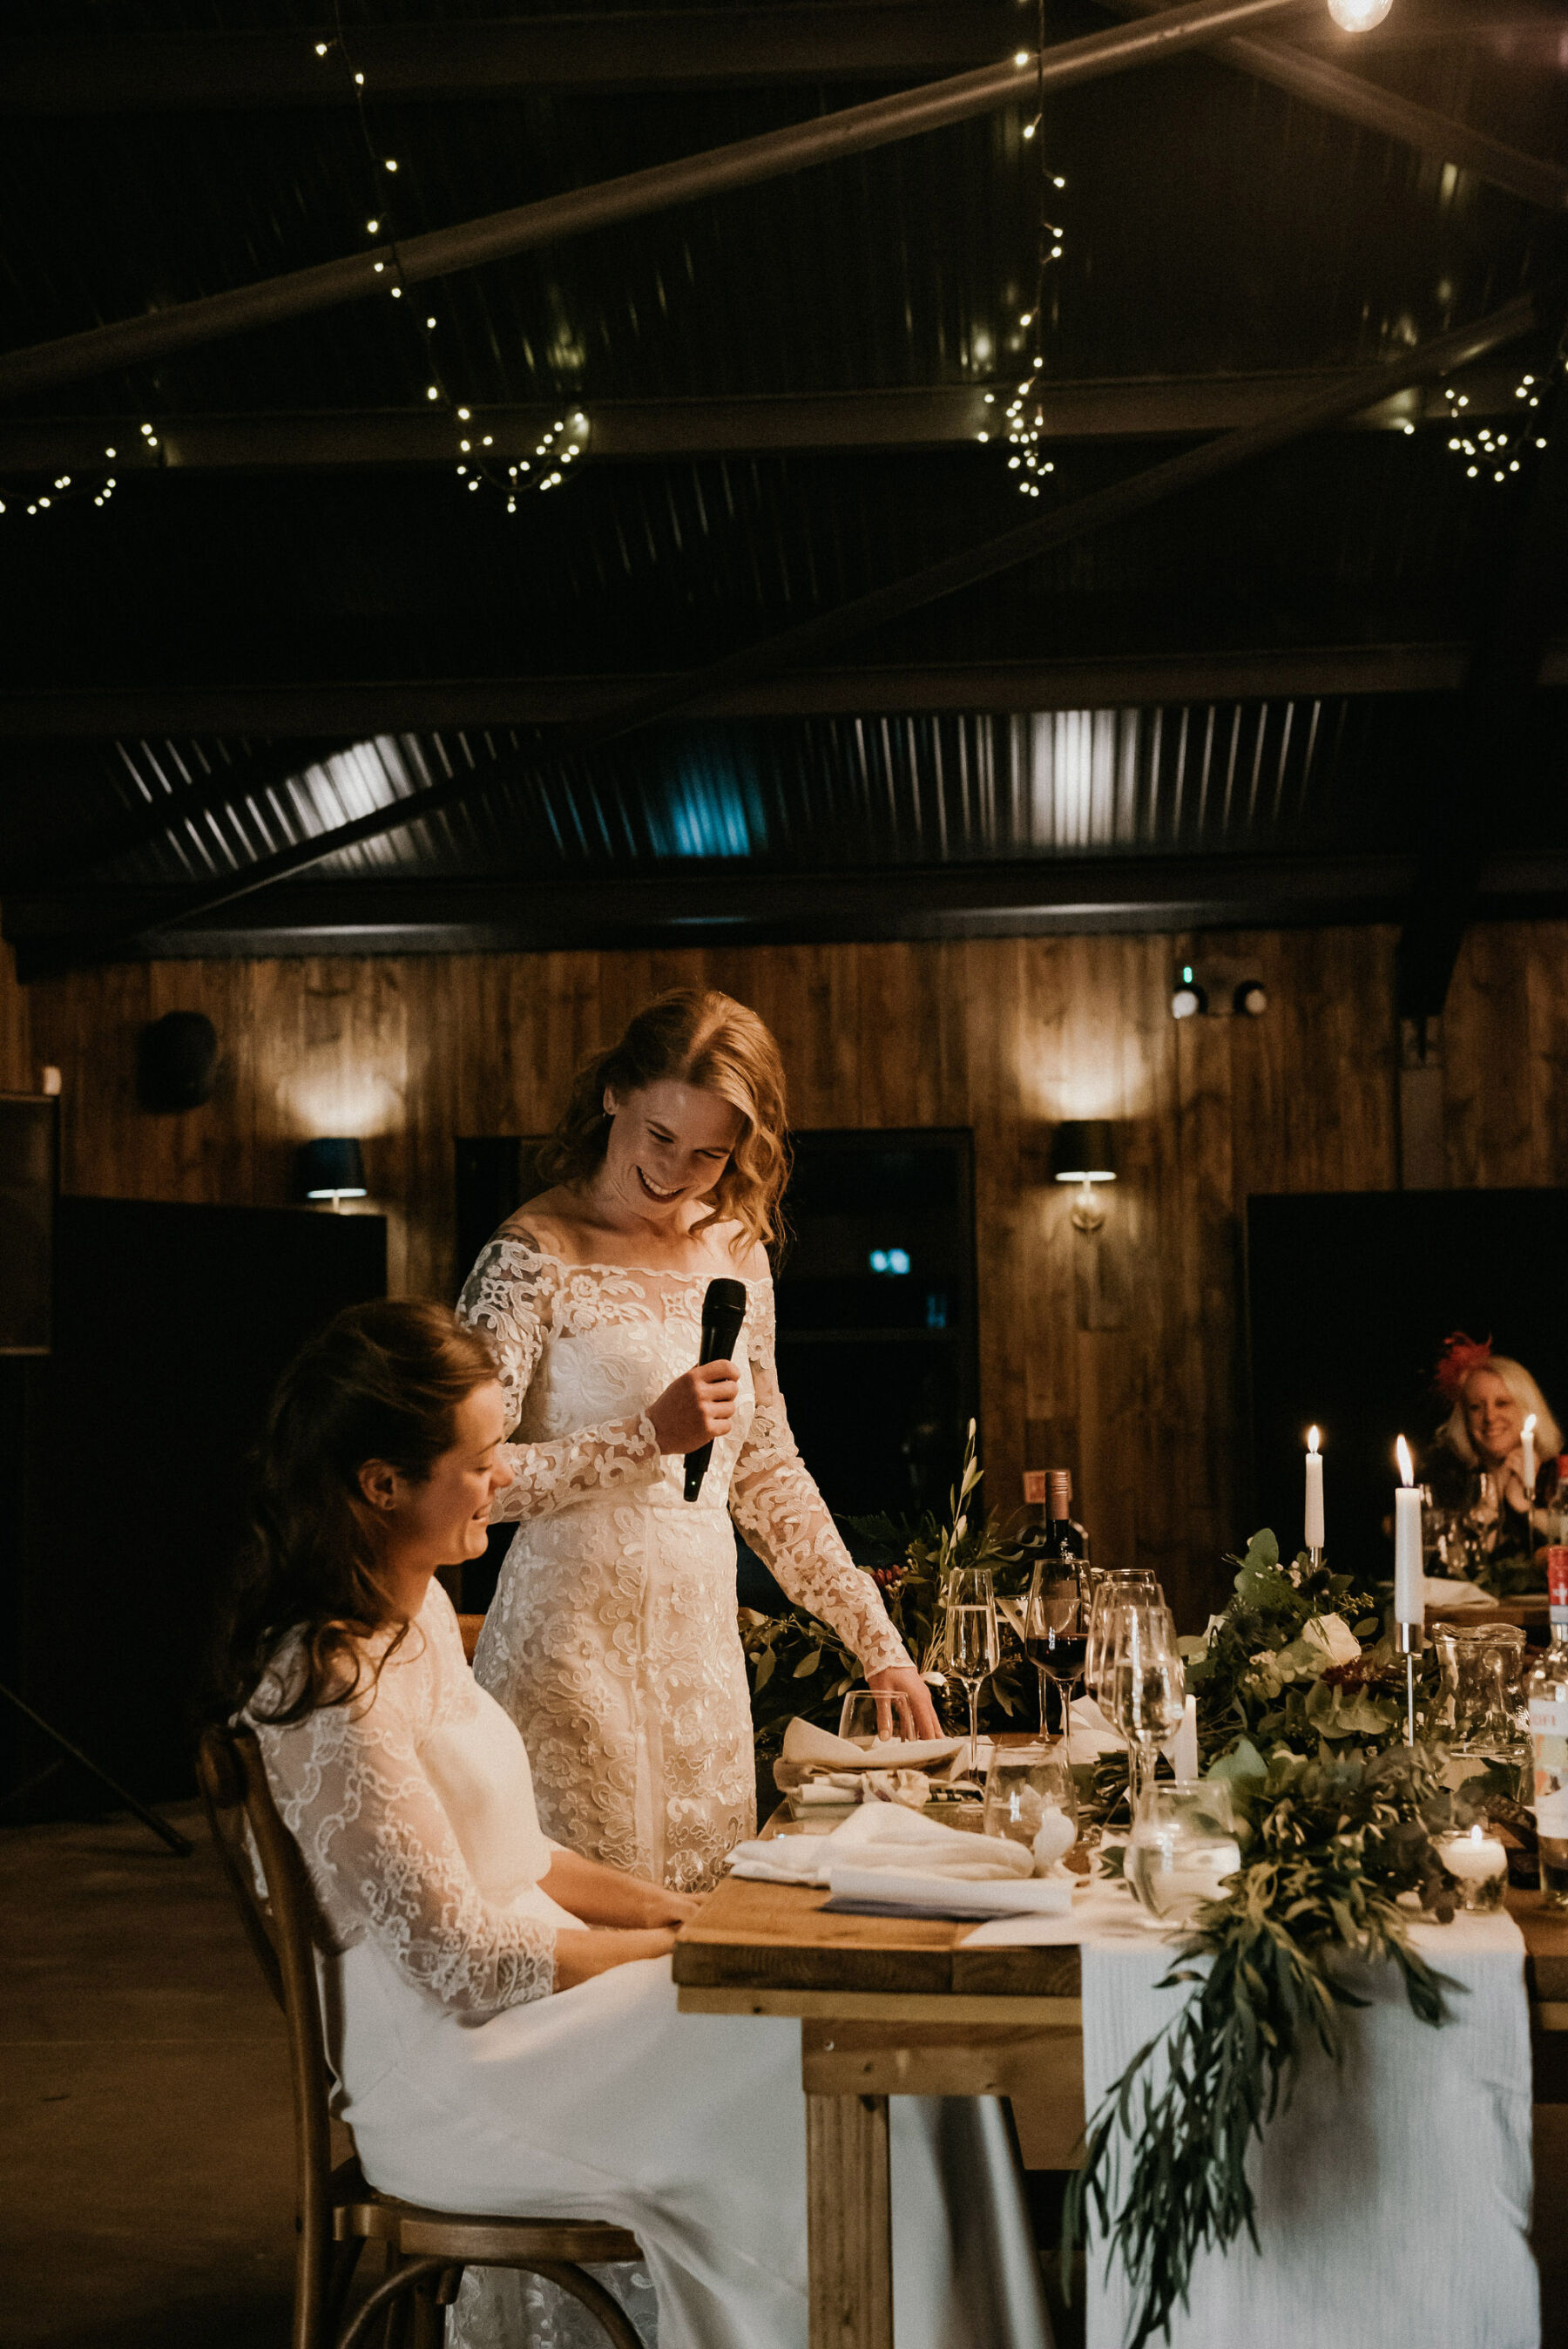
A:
{"points": [[1478, 1864]]}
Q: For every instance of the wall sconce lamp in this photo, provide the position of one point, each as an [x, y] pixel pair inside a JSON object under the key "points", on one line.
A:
{"points": [[1083, 1151], [332, 1169]]}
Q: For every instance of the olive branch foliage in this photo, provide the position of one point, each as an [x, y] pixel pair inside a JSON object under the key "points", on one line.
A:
{"points": [[1337, 1815]]}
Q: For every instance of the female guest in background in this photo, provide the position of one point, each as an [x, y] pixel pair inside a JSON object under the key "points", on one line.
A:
{"points": [[612, 1641], [501, 2016], [1480, 1468]]}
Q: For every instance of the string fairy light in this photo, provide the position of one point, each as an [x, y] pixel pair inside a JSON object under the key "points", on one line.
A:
{"points": [[1023, 421], [1498, 458], [477, 464]]}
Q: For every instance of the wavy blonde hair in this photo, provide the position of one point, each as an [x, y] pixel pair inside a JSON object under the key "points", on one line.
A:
{"points": [[1455, 1430], [696, 1037]]}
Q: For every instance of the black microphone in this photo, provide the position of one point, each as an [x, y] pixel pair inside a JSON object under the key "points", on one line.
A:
{"points": [[723, 1311]]}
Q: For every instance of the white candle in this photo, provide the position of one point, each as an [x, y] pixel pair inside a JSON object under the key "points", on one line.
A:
{"points": [[1184, 1745], [1527, 1453], [1473, 1859], [1409, 1584], [1054, 1835], [1314, 1492]]}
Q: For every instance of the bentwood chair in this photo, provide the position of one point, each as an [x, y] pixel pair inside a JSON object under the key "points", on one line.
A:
{"points": [[338, 2211]]}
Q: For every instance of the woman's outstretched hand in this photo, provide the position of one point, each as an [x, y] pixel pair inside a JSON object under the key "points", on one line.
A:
{"points": [[697, 1407], [580, 1956], [904, 1681]]}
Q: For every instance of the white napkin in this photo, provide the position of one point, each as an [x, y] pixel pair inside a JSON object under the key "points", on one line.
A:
{"points": [[884, 1835], [1092, 1734], [1033, 1896], [1440, 1593], [806, 1743]]}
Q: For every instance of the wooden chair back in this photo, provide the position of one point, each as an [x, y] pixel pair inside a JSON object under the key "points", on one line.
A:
{"points": [[235, 1791]]}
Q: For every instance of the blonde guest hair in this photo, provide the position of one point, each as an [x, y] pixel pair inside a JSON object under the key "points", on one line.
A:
{"points": [[700, 1037], [1454, 1432]]}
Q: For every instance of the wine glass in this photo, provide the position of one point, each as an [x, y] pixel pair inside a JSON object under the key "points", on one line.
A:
{"points": [[1144, 1689], [974, 1648], [1056, 1635], [1113, 1588]]}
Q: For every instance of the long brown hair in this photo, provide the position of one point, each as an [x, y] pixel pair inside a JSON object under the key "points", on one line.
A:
{"points": [[700, 1038], [381, 1381]]}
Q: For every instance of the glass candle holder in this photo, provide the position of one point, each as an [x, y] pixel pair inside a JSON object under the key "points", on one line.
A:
{"points": [[1478, 1862], [1030, 1799], [1182, 1848]]}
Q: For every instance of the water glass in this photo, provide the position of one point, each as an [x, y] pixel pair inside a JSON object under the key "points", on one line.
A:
{"points": [[973, 1645], [1030, 1798], [1184, 1846], [876, 1716]]}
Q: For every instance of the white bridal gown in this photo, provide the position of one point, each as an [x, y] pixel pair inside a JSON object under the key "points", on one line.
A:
{"points": [[470, 2084], [612, 1641]]}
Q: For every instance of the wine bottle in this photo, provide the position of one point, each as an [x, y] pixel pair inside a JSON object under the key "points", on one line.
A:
{"points": [[1547, 1691], [1064, 1537]]}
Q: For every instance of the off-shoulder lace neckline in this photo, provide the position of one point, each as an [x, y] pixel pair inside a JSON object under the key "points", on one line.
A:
{"points": [[654, 1271]]}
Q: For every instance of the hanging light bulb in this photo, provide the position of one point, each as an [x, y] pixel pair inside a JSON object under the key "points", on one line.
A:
{"points": [[1358, 16]]}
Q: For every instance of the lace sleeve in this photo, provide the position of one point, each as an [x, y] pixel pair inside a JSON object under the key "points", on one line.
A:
{"points": [[510, 1296], [382, 1859], [784, 1517]]}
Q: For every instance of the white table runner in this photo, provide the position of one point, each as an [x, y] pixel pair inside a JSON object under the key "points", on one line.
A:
{"points": [[1393, 2196]]}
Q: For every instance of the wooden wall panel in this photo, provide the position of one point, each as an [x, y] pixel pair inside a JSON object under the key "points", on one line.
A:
{"points": [[17, 1074], [1117, 1356]]}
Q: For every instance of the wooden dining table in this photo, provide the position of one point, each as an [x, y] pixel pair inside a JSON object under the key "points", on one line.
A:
{"points": [[896, 2007]]}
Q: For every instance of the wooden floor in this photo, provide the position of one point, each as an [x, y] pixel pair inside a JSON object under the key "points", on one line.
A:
{"points": [[145, 2190]]}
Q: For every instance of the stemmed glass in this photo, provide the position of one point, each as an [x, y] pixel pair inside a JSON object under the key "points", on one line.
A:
{"points": [[1111, 1589], [974, 1648], [1056, 1636], [1142, 1687]]}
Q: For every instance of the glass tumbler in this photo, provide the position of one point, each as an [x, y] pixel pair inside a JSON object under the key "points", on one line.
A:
{"points": [[1030, 1799], [1184, 1846]]}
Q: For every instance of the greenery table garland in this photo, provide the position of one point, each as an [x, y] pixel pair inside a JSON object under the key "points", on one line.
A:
{"points": [[1301, 1710]]}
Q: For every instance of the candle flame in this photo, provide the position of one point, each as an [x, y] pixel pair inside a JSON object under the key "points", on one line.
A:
{"points": [[1475, 1835], [1407, 1473], [1312, 1439]]}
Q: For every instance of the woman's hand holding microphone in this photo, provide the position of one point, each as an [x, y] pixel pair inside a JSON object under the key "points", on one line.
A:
{"points": [[696, 1407]]}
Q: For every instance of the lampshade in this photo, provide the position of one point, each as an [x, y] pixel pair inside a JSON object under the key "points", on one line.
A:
{"points": [[1084, 1150], [332, 1168]]}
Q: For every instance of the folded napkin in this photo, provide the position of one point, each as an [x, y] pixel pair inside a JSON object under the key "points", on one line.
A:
{"points": [[1092, 1734], [1442, 1593], [908, 1891], [885, 1835]]}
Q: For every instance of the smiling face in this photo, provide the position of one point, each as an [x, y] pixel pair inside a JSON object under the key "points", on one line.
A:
{"points": [[1493, 1420], [667, 1147], [445, 1518]]}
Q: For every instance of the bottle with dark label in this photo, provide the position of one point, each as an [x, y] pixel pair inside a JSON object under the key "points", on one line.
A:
{"points": [[1057, 1609], [1547, 1689]]}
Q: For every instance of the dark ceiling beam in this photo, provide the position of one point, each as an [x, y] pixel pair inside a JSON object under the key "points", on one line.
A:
{"points": [[853, 130], [1327, 85], [812, 642], [1490, 736], [734, 905], [681, 48], [356, 711], [1148, 408]]}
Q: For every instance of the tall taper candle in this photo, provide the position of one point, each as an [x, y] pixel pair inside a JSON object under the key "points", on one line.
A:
{"points": [[1527, 1454], [1184, 1745], [1409, 1583], [1314, 1491]]}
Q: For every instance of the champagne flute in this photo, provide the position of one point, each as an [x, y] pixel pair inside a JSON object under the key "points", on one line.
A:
{"points": [[1145, 1687], [1056, 1636], [1113, 1588], [974, 1648]]}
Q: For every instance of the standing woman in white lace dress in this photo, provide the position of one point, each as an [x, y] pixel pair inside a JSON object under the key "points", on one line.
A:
{"points": [[612, 1639]]}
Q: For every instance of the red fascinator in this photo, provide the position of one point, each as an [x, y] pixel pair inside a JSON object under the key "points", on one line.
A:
{"points": [[1459, 1356]]}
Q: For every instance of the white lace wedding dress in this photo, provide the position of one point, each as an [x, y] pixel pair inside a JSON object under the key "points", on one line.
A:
{"points": [[470, 2082], [612, 1641]]}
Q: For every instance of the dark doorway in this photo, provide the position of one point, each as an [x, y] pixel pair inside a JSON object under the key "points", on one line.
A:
{"points": [[127, 1468]]}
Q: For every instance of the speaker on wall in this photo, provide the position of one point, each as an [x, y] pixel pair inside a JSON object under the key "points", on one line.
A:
{"points": [[29, 1161], [177, 1062]]}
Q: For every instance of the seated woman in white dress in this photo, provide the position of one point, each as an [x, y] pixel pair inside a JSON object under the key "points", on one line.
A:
{"points": [[612, 1639], [501, 2014]]}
